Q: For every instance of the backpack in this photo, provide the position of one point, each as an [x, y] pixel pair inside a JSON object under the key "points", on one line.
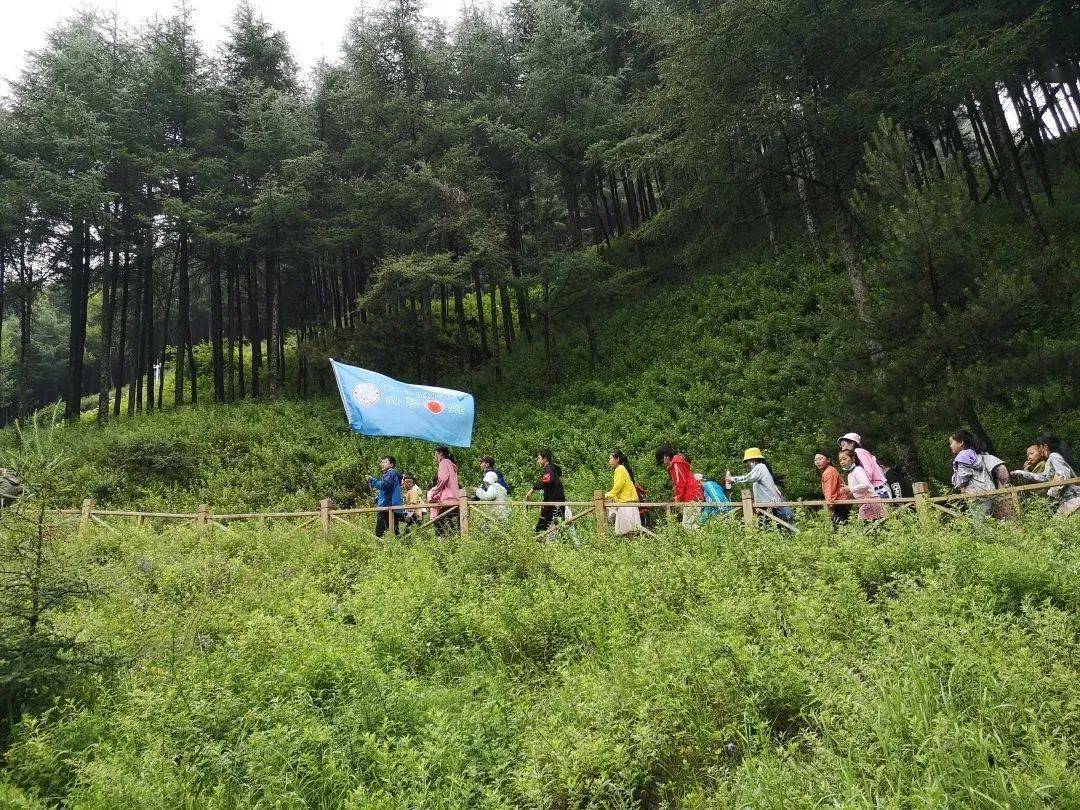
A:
{"points": [[504, 483], [714, 493], [991, 463]]}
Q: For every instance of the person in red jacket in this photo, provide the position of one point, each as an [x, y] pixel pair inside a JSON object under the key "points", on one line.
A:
{"points": [[686, 487]]}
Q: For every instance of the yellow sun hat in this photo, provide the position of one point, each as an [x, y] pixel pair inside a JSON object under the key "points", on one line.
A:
{"points": [[753, 454]]}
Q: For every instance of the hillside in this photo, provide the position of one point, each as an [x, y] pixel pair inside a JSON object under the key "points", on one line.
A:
{"points": [[712, 356], [925, 664]]}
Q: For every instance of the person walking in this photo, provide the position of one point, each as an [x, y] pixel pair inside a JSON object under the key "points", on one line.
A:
{"points": [[970, 475], [446, 490], [550, 484], [764, 484], [1059, 466], [487, 464], [411, 495], [859, 486], [868, 461], [494, 493], [387, 488], [686, 488], [623, 490], [832, 487]]}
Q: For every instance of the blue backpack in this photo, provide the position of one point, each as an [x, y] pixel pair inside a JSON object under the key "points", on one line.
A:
{"points": [[714, 493]]}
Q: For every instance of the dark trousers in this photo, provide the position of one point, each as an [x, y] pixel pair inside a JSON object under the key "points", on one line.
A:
{"points": [[382, 523], [549, 516], [840, 514]]}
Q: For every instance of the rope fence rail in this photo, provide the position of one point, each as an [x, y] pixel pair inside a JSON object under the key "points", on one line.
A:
{"points": [[461, 509]]}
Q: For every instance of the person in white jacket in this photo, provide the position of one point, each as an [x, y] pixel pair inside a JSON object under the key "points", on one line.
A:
{"points": [[494, 493]]}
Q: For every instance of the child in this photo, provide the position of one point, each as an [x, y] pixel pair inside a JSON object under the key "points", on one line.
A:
{"points": [[412, 495], [859, 486], [763, 482]]}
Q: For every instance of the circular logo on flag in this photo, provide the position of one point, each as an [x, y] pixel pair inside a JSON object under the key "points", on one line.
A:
{"points": [[365, 395], [434, 406]]}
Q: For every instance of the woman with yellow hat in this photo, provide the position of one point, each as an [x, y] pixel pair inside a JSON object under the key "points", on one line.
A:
{"points": [[763, 482]]}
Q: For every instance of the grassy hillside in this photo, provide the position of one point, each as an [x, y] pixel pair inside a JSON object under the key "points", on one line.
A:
{"points": [[265, 667], [923, 665], [714, 360]]}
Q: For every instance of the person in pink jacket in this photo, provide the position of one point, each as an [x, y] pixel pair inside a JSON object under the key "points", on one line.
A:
{"points": [[868, 462], [447, 489]]}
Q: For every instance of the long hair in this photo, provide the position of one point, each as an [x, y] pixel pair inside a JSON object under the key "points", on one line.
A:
{"points": [[444, 451], [1056, 445], [969, 441], [620, 456], [777, 479], [665, 451]]}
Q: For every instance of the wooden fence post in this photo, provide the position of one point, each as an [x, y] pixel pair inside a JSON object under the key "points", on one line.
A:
{"points": [[922, 508], [463, 514], [391, 522], [324, 516], [84, 518], [601, 513], [202, 514], [748, 508]]}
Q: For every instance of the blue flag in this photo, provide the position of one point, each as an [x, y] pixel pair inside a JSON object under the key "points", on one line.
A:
{"points": [[377, 405]]}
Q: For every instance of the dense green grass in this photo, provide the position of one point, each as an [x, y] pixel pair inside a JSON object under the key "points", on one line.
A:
{"points": [[919, 667]]}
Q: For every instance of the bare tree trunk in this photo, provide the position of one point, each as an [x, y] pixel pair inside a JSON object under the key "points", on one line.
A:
{"points": [[218, 352], [79, 283], [495, 355], [121, 349], [478, 290], [463, 328], [253, 325], [1001, 136], [110, 265]]}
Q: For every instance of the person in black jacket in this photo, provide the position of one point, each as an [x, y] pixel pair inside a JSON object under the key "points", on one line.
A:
{"points": [[898, 481], [551, 486]]}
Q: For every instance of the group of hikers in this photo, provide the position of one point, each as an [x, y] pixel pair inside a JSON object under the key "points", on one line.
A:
{"points": [[855, 473]]}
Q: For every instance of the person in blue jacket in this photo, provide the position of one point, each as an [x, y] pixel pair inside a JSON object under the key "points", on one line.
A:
{"points": [[387, 488]]}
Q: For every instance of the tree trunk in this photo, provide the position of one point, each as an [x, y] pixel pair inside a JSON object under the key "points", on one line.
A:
{"points": [[495, 355], [230, 331], [77, 322], [463, 327], [216, 327], [956, 137], [478, 294], [108, 297], [1032, 128], [513, 234], [1001, 136], [273, 369], [616, 209], [507, 316], [253, 325], [121, 349]]}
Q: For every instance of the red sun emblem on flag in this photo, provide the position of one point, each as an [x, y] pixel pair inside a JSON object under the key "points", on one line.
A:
{"points": [[434, 406]]}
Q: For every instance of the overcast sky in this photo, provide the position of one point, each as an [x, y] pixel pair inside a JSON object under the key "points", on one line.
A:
{"points": [[314, 27]]}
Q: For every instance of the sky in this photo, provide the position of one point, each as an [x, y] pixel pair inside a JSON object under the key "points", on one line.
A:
{"points": [[314, 27]]}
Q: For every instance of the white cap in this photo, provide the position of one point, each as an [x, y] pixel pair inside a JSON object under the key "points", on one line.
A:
{"points": [[491, 478]]}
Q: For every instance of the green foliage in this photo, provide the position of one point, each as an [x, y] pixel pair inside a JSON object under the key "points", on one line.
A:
{"points": [[923, 666]]}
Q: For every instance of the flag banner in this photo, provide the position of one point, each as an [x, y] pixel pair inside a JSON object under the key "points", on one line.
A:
{"points": [[377, 405]]}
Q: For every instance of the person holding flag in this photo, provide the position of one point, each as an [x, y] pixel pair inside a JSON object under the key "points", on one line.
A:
{"points": [[387, 489]]}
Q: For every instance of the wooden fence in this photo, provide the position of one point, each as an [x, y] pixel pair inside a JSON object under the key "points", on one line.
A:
{"points": [[457, 515]]}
